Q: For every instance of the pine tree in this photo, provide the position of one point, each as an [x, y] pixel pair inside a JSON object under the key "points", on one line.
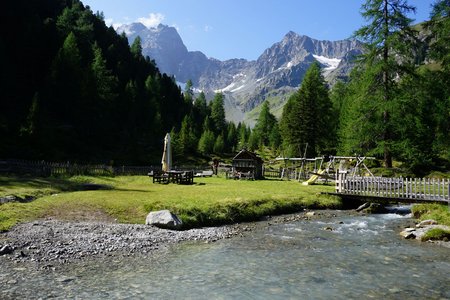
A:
{"points": [[439, 26], [32, 119], [275, 137], [231, 140], [388, 39], [106, 83], [243, 135], [187, 139], [136, 47], [264, 125], [305, 122], [219, 145], [218, 113], [188, 91], [206, 142]]}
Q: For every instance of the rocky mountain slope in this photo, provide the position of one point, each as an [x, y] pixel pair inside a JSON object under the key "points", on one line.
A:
{"points": [[246, 84]]}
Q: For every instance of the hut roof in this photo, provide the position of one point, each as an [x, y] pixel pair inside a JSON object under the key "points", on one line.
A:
{"points": [[245, 154]]}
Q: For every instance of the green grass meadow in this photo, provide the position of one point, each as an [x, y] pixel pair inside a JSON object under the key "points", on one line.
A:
{"points": [[210, 201]]}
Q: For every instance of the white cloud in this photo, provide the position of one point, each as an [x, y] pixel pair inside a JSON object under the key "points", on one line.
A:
{"points": [[176, 27], [153, 20], [116, 25], [110, 22]]}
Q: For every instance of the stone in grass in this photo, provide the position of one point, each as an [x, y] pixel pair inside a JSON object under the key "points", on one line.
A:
{"points": [[426, 223], [163, 219]]}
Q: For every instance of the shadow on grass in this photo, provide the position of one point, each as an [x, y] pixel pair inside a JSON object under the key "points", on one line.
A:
{"points": [[37, 185], [132, 190]]}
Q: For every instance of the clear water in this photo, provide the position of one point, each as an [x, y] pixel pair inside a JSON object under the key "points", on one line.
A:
{"points": [[362, 258]]}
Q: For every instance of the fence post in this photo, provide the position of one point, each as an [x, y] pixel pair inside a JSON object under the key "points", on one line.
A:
{"points": [[448, 191], [340, 181]]}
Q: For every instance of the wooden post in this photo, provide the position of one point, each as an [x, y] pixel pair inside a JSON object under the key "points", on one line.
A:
{"points": [[340, 182]]}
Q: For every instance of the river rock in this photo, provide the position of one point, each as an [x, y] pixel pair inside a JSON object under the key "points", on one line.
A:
{"points": [[408, 234], [163, 219], [7, 249], [365, 205], [310, 213], [426, 223], [374, 208]]}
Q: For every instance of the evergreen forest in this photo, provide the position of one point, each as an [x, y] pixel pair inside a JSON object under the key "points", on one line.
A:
{"points": [[72, 89]]}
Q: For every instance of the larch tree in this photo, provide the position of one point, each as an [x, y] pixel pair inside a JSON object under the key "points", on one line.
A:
{"points": [[265, 125], [439, 27], [305, 122], [218, 113], [388, 38]]}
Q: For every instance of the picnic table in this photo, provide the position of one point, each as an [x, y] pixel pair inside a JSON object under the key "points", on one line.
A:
{"points": [[173, 176]]}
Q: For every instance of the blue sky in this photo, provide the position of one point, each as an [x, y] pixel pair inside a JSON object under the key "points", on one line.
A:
{"points": [[244, 28]]}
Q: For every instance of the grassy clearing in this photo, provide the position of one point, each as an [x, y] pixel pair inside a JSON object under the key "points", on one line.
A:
{"points": [[210, 201], [438, 212]]}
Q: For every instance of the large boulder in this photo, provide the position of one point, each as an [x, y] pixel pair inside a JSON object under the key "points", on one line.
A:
{"points": [[163, 219]]}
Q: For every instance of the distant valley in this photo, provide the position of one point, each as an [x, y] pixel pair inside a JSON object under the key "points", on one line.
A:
{"points": [[276, 73]]}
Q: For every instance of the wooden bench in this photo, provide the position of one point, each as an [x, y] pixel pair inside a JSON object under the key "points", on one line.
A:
{"points": [[160, 177], [187, 178]]}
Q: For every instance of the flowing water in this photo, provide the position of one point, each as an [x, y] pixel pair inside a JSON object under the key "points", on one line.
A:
{"points": [[361, 257]]}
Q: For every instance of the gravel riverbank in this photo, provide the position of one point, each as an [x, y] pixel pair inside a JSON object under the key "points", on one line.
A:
{"points": [[51, 242], [55, 242]]}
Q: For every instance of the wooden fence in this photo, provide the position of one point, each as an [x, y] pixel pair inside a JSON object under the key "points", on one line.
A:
{"points": [[399, 188], [271, 173], [45, 169]]}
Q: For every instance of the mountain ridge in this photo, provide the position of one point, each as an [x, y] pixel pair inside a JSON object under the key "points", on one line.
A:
{"points": [[278, 71]]}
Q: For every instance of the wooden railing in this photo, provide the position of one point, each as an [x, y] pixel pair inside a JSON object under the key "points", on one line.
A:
{"points": [[45, 169], [400, 188]]}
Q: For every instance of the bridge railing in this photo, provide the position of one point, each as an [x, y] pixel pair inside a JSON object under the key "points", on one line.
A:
{"points": [[401, 188]]}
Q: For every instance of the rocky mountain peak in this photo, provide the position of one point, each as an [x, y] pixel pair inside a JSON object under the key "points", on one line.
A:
{"points": [[161, 43], [278, 71]]}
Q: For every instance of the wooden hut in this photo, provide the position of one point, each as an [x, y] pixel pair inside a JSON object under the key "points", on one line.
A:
{"points": [[247, 164]]}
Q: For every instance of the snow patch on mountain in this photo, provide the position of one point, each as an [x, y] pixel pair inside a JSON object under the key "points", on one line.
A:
{"points": [[230, 88], [290, 64], [330, 63]]}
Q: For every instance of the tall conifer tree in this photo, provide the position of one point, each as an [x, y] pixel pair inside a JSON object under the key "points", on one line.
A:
{"points": [[305, 119], [388, 38]]}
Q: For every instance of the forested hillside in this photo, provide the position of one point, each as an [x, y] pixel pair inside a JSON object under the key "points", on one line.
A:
{"points": [[73, 89]]}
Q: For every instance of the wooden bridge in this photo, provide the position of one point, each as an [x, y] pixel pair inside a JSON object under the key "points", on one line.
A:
{"points": [[382, 189]]}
